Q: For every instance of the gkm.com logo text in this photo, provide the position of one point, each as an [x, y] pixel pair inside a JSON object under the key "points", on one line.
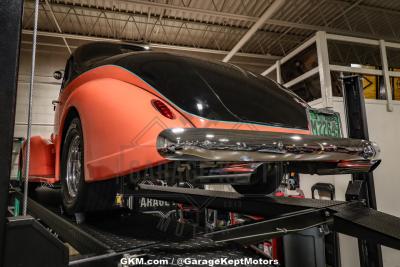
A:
{"points": [[135, 261]]}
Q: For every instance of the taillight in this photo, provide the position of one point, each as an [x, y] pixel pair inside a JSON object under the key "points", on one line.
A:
{"points": [[163, 109]]}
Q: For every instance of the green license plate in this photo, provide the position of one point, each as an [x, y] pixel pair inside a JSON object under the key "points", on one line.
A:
{"points": [[325, 124]]}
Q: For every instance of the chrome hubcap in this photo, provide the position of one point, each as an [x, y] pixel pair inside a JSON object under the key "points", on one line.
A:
{"points": [[73, 166]]}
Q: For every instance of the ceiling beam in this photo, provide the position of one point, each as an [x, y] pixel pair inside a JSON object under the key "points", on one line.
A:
{"points": [[57, 24], [153, 15], [329, 30], [154, 45], [370, 7], [237, 16], [343, 13], [276, 5], [197, 11], [244, 18]]}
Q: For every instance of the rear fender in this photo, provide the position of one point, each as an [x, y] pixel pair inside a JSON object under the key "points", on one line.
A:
{"points": [[120, 127], [42, 160]]}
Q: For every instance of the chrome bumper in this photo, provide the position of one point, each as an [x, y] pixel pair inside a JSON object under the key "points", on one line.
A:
{"points": [[204, 144]]}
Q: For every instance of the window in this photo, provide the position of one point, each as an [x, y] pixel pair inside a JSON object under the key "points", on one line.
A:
{"points": [[353, 54], [301, 63]]}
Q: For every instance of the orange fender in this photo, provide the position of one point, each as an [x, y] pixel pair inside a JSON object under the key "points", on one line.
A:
{"points": [[41, 160], [120, 127]]}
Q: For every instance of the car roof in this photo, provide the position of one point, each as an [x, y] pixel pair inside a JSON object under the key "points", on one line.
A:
{"points": [[90, 53]]}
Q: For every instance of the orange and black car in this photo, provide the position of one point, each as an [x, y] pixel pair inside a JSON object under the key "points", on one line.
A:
{"points": [[123, 109]]}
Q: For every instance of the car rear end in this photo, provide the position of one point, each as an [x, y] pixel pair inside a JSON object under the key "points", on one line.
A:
{"points": [[243, 122]]}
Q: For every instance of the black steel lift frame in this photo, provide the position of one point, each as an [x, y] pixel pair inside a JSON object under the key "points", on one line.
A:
{"points": [[370, 254], [368, 224], [10, 34], [104, 238]]}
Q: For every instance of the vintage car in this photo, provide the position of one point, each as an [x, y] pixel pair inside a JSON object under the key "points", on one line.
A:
{"points": [[124, 111]]}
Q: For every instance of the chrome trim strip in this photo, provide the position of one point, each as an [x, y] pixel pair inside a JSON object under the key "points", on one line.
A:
{"points": [[204, 144]]}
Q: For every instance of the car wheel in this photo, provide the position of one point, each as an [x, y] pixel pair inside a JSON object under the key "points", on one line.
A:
{"points": [[266, 180], [77, 195]]}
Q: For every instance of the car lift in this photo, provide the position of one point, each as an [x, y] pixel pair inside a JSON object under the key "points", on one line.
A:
{"points": [[361, 187], [102, 239]]}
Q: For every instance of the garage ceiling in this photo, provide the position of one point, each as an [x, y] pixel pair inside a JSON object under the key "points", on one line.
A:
{"points": [[215, 25]]}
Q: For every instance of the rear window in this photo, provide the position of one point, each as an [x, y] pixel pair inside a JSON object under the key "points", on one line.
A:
{"points": [[218, 91]]}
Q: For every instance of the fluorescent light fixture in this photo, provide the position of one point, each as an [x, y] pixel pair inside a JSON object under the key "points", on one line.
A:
{"points": [[354, 65], [210, 136]]}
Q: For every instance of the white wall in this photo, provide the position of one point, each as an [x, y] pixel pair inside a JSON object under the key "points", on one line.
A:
{"points": [[45, 90], [384, 128]]}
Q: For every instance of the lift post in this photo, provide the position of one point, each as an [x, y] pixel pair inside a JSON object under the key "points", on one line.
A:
{"points": [[362, 183], [10, 34]]}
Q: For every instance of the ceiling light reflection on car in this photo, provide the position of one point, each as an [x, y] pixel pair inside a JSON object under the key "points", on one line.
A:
{"points": [[223, 140], [296, 137], [178, 130], [210, 136], [199, 106]]}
